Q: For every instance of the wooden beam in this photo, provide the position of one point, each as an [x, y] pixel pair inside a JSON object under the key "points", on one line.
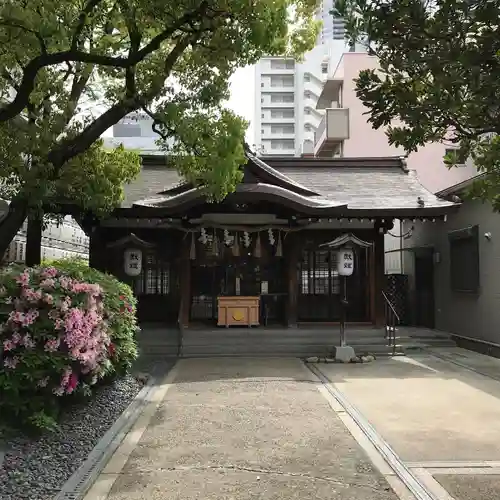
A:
{"points": [[184, 283]]}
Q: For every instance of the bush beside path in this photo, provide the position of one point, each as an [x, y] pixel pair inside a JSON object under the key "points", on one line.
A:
{"points": [[67, 345]]}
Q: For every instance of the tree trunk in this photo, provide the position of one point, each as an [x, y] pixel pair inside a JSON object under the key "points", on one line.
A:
{"points": [[34, 241], [11, 223]]}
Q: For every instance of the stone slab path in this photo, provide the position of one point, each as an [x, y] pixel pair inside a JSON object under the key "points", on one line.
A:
{"points": [[240, 429], [437, 414]]}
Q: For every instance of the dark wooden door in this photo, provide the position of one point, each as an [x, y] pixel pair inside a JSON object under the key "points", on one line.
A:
{"points": [[424, 291]]}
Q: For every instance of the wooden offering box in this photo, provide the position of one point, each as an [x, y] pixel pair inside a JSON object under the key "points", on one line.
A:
{"points": [[238, 311]]}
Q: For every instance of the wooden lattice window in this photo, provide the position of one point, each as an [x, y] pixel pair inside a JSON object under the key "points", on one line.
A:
{"points": [[154, 278], [464, 259], [319, 274]]}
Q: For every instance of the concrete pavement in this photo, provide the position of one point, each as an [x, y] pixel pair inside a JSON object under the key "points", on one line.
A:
{"points": [[264, 428], [440, 418], [240, 429]]}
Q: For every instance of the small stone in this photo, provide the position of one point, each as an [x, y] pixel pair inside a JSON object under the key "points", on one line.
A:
{"points": [[142, 378], [312, 359]]}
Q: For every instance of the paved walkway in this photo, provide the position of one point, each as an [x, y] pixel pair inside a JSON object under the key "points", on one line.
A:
{"points": [[265, 428], [442, 419], [240, 429]]}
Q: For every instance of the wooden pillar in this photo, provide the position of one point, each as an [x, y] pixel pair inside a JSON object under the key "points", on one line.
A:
{"points": [[379, 273], [184, 282], [292, 260], [34, 241]]}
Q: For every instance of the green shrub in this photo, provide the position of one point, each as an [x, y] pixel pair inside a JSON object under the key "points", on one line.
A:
{"points": [[63, 328]]}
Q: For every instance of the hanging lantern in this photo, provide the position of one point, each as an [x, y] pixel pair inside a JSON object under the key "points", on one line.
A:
{"points": [[345, 261], [257, 251], [192, 250], [132, 262], [236, 245], [279, 246]]}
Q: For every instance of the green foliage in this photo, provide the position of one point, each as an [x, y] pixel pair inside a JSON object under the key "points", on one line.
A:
{"points": [[119, 303], [62, 60], [63, 330], [438, 78]]}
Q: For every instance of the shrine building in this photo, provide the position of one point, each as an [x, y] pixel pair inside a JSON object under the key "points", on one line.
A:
{"points": [[269, 253]]}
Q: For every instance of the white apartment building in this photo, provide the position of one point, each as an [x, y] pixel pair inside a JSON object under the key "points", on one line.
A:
{"points": [[286, 91], [333, 27], [58, 241]]}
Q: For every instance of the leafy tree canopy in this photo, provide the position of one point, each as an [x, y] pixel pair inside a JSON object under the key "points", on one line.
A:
{"points": [[439, 76], [70, 69]]}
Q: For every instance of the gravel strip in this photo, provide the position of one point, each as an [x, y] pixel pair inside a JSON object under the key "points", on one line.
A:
{"points": [[37, 469]]}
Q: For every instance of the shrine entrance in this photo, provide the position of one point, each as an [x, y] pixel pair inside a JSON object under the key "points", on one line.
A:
{"points": [[237, 276]]}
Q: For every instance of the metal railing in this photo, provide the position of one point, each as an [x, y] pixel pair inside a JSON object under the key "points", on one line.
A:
{"points": [[321, 128], [391, 322]]}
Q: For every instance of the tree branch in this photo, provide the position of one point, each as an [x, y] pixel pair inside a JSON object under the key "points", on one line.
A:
{"points": [[82, 20], [72, 147], [31, 70]]}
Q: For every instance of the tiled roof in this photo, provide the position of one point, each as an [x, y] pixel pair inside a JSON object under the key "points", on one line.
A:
{"points": [[374, 184]]}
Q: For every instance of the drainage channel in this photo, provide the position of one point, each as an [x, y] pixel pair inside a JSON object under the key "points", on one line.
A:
{"points": [[77, 486], [416, 487]]}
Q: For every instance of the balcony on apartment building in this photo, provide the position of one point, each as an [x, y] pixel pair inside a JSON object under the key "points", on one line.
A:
{"points": [[334, 126], [331, 132]]}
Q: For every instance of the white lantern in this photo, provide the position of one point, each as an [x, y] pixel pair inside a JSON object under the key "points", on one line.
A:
{"points": [[345, 262], [133, 262]]}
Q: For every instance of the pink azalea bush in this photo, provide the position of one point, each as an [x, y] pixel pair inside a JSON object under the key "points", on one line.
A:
{"points": [[55, 341]]}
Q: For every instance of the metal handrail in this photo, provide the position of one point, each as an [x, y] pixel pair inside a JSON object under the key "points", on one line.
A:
{"points": [[388, 302], [391, 321]]}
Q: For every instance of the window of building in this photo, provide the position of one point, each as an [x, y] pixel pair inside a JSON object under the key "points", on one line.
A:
{"points": [[283, 144], [261, 84], [464, 259], [288, 97], [307, 77], [307, 94], [154, 278], [282, 129], [454, 155], [324, 69], [282, 113], [282, 81]]}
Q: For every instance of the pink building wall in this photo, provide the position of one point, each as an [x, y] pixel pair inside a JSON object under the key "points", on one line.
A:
{"points": [[366, 141]]}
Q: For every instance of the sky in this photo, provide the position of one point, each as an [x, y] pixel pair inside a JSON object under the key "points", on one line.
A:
{"points": [[242, 99]]}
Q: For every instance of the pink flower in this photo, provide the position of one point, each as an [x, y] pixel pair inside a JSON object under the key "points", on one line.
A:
{"points": [[58, 391], [43, 382], [16, 316], [72, 383], [8, 345], [11, 362], [48, 298], [16, 337], [49, 272], [52, 345], [48, 284], [23, 279], [28, 342]]}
